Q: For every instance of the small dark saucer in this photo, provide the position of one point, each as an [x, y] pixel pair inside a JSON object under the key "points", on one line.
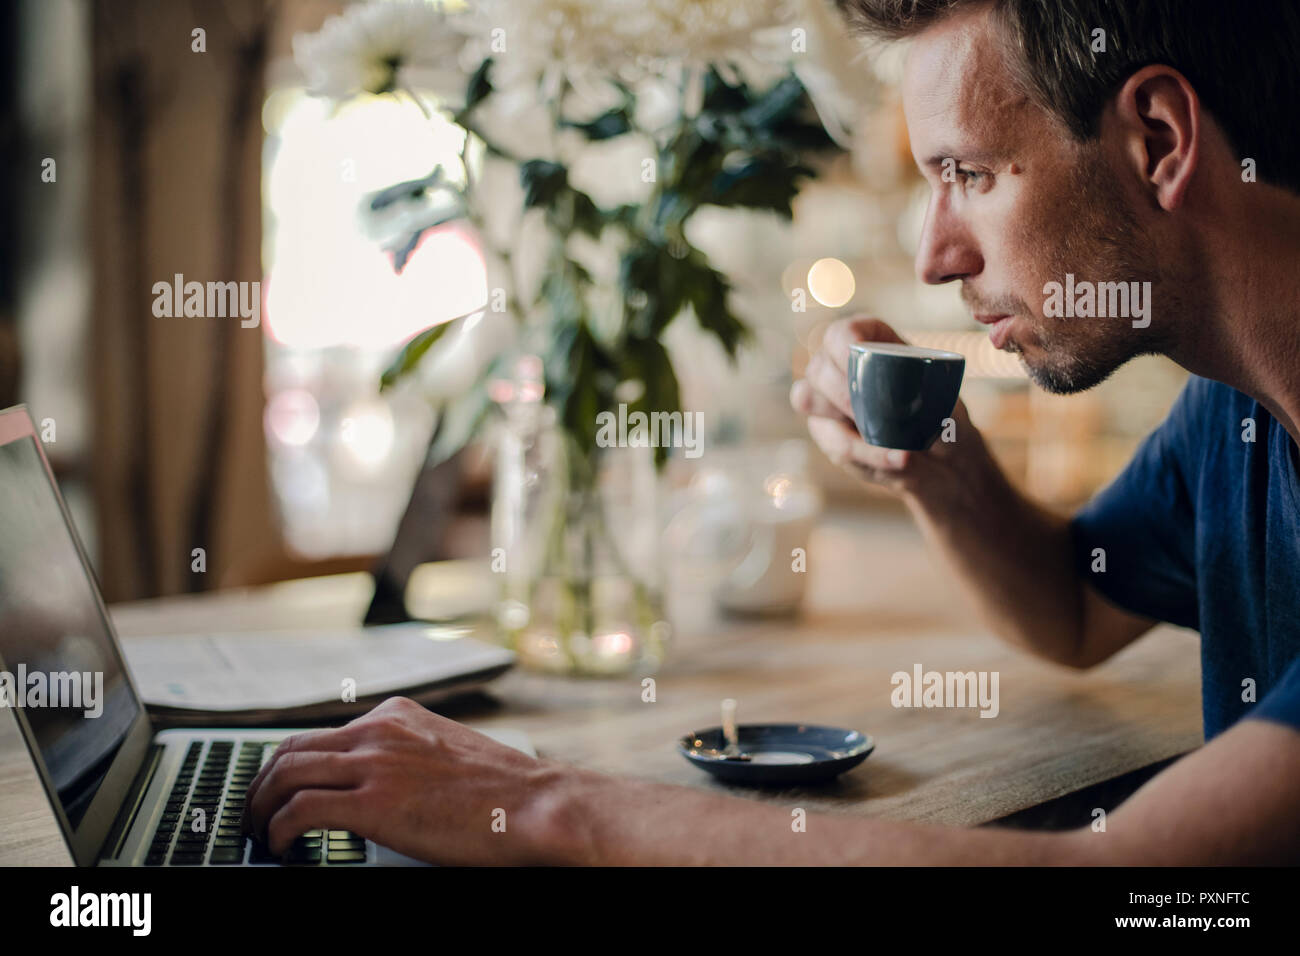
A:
{"points": [[781, 754]]}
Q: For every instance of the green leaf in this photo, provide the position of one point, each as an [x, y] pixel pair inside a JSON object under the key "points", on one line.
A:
{"points": [[708, 297], [650, 280], [579, 381], [741, 150], [784, 119], [800, 136], [625, 215], [411, 353], [690, 160], [616, 122], [562, 298], [562, 291], [546, 185], [409, 190], [543, 181], [587, 216], [647, 361], [763, 182], [780, 101], [657, 286], [480, 85], [720, 96]]}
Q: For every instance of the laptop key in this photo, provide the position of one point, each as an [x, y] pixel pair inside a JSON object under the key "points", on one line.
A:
{"points": [[227, 855], [346, 856]]}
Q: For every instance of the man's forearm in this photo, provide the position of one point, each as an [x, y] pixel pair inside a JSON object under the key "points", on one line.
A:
{"points": [[1012, 557], [586, 818]]}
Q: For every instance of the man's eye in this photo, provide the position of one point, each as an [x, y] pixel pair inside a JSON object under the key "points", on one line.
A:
{"points": [[974, 177]]}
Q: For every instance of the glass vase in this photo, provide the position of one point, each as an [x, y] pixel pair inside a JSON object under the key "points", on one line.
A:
{"points": [[575, 540]]}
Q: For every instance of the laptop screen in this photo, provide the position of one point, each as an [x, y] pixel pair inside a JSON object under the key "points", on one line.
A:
{"points": [[58, 661]]}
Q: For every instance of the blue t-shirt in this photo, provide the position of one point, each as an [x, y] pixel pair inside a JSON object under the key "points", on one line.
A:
{"points": [[1202, 529]]}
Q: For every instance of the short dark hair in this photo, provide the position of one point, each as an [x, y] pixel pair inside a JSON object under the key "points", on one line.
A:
{"points": [[1240, 57]]}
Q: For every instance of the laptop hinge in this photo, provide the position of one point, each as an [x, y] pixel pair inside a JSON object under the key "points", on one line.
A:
{"points": [[131, 805]]}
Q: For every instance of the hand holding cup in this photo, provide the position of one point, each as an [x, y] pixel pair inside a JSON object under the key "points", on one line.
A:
{"points": [[825, 396]]}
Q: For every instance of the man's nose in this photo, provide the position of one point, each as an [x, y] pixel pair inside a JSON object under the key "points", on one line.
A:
{"points": [[947, 251]]}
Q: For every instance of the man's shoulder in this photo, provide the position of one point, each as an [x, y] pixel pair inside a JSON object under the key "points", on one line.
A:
{"points": [[1281, 703], [1208, 413]]}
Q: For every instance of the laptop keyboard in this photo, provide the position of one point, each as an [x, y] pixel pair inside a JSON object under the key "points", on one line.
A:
{"points": [[200, 821]]}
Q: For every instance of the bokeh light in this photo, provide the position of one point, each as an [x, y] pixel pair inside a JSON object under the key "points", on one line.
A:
{"points": [[831, 282]]}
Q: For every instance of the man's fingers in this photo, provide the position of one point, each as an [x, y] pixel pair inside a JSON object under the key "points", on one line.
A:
{"points": [[807, 401], [824, 389], [337, 738], [292, 771], [316, 810], [831, 383], [842, 444], [846, 332]]}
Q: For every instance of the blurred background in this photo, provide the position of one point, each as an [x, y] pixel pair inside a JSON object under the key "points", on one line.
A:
{"points": [[272, 449]]}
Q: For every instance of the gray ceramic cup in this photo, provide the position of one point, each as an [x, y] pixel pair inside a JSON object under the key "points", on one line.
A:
{"points": [[901, 394]]}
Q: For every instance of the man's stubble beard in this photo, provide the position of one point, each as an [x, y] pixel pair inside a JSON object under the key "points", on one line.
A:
{"points": [[1100, 243]]}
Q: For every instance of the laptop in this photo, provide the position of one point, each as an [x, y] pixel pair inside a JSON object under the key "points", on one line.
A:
{"points": [[124, 794]]}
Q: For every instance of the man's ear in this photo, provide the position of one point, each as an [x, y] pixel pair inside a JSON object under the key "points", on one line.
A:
{"points": [[1159, 118]]}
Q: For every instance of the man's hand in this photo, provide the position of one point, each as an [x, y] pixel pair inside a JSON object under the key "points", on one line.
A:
{"points": [[404, 777], [427, 787], [823, 395], [1012, 557]]}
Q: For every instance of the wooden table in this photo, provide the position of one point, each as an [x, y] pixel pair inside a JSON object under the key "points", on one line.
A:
{"points": [[877, 603]]}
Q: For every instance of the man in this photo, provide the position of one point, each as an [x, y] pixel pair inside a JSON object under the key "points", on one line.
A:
{"points": [[1047, 155]]}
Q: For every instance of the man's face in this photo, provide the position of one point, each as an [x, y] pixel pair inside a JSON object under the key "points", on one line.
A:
{"points": [[1016, 203]]}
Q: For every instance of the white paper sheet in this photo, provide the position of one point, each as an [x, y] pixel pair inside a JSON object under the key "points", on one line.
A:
{"points": [[284, 669]]}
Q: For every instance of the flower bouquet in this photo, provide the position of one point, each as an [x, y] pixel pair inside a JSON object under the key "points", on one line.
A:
{"points": [[692, 103]]}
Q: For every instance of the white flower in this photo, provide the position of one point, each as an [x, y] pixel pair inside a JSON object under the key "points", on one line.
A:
{"points": [[382, 48], [618, 38], [533, 41]]}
